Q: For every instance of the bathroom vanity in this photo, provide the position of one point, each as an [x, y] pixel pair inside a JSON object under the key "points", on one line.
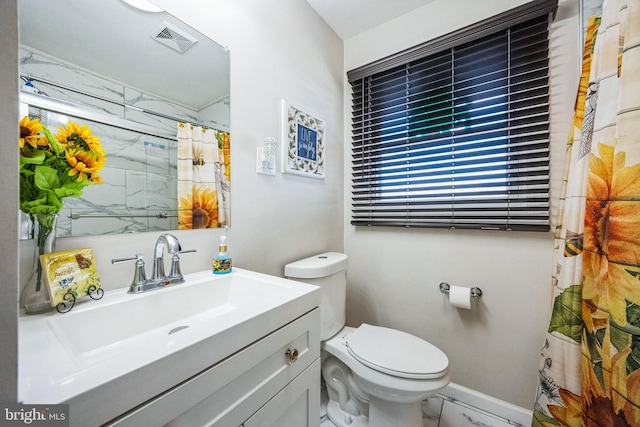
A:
{"points": [[232, 350]]}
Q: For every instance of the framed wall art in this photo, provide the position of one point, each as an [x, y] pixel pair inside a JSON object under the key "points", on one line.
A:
{"points": [[303, 143]]}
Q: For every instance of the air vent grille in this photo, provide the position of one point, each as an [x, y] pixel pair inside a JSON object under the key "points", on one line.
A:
{"points": [[173, 37]]}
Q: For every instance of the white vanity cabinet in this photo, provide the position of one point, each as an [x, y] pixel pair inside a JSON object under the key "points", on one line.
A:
{"points": [[274, 381], [217, 350]]}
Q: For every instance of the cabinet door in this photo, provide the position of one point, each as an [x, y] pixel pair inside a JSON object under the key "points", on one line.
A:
{"points": [[298, 404], [229, 392]]}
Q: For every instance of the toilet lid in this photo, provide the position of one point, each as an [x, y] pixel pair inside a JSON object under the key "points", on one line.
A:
{"points": [[396, 353]]}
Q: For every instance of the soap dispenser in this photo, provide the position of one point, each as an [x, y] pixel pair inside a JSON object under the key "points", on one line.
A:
{"points": [[222, 261]]}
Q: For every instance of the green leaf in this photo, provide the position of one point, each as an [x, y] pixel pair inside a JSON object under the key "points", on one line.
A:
{"points": [[46, 178], [45, 210], [594, 348], [599, 336], [628, 336], [633, 313], [34, 158], [629, 328], [57, 148], [70, 189], [41, 205], [41, 198], [35, 202], [619, 338], [633, 360], [566, 316], [597, 369], [54, 202]]}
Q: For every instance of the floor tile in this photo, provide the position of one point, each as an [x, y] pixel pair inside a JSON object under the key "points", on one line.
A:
{"points": [[431, 409], [326, 423]]}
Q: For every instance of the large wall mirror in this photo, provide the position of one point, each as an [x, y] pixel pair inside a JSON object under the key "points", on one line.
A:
{"points": [[132, 77]]}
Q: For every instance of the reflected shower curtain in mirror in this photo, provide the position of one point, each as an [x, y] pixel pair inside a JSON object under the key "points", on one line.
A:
{"points": [[589, 373], [203, 177]]}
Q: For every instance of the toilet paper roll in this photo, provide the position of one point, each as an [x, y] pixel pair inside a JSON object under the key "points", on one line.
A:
{"points": [[460, 297]]}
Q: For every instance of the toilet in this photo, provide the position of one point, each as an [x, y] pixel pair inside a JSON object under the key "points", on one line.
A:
{"points": [[375, 376]]}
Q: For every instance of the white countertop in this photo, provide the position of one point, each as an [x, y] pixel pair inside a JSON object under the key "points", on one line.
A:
{"points": [[94, 357]]}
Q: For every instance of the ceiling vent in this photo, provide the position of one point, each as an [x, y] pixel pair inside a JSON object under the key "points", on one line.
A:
{"points": [[172, 37]]}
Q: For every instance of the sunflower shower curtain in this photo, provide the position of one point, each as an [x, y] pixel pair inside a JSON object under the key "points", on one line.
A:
{"points": [[203, 177], [589, 371]]}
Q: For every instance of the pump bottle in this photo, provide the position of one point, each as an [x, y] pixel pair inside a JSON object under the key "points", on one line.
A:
{"points": [[222, 261]]}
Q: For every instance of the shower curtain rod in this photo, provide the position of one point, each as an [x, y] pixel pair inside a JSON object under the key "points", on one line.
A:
{"points": [[27, 78], [96, 116]]}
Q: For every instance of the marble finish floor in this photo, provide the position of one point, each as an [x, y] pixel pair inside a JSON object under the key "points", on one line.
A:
{"points": [[443, 411]]}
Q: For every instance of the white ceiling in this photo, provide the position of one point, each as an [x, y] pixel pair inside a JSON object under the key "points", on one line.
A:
{"points": [[113, 39], [351, 17]]}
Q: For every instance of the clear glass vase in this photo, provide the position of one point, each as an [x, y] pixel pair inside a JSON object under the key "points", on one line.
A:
{"points": [[34, 297]]}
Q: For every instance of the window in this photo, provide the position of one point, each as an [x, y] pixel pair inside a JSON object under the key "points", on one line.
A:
{"points": [[454, 133]]}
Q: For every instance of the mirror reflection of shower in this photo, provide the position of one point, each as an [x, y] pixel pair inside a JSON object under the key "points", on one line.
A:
{"points": [[132, 92]]}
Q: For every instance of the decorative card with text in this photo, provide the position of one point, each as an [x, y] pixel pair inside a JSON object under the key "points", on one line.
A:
{"points": [[69, 272]]}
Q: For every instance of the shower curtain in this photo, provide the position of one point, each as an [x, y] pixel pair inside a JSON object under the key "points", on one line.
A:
{"points": [[203, 177], [589, 373]]}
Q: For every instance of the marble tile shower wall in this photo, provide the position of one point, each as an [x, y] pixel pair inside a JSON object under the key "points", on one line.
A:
{"points": [[140, 173], [139, 179]]}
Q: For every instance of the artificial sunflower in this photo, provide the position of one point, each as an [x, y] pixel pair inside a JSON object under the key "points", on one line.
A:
{"points": [[31, 133], [198, 210], [83, 163], [75, 134], [56, 166]]}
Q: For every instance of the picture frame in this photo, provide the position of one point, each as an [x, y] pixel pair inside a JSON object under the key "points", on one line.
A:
{"points": [[303, 143]]}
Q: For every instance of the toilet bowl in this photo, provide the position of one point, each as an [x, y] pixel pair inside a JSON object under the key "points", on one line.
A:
{"points": [[375, 376], [392, 369]]}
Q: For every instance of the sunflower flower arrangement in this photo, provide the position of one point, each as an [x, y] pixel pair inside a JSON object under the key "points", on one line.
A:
{"points": [[53, 167]]}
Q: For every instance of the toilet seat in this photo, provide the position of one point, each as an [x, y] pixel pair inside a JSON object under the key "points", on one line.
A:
{"points": [[396, 353]]}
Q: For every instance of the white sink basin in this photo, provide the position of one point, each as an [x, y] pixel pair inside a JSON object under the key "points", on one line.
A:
{"points": [[162, 311], [113, 344]]}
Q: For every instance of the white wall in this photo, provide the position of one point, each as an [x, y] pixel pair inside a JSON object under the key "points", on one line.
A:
{"points": [[394, 273]]}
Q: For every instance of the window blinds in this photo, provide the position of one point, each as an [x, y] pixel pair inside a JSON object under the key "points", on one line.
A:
{"points": [[456, 135]]}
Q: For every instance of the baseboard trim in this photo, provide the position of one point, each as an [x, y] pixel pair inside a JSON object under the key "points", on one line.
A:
{"points": [[486, 403]]}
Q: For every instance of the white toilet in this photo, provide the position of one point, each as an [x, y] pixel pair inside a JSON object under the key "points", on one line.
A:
{"points": [[375, 376]]}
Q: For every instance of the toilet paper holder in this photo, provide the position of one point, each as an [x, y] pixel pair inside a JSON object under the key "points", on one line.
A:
{"points": [[476, 292]]}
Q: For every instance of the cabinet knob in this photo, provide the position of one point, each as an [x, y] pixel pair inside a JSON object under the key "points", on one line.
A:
{"points": [[292, 355]]}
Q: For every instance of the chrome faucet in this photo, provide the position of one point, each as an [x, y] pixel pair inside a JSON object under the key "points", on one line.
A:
{"points": [[158, 279], [173, 247]]}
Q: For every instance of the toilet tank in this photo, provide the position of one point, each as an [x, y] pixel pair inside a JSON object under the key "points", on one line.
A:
{"points": [[329, 272]]}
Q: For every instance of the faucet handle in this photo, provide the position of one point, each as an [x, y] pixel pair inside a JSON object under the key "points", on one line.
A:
{"points": [[139, 275], [175, 264]]}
